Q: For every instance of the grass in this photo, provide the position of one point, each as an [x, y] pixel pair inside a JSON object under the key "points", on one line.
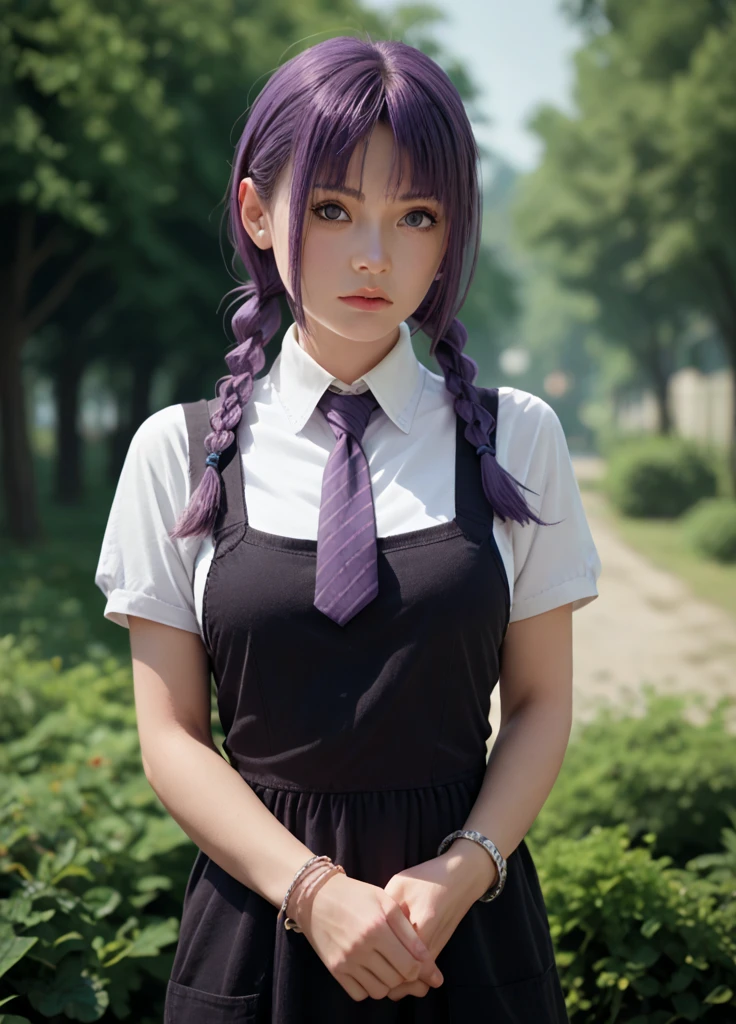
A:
{"points": [[663, 543]]}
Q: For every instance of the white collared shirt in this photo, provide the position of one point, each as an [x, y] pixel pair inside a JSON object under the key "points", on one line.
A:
{"points": [[285, 442]]}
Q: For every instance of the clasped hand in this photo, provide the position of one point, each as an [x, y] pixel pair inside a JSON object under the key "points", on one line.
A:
{"points": [[435, 901], [379, 942]]}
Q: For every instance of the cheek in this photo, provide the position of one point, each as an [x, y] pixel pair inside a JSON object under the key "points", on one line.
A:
{"points": [[322, 253], [418, 260]]}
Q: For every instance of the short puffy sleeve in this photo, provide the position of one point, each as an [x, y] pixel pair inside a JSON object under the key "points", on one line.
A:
{"points": [[141, 570], [557, 564]]}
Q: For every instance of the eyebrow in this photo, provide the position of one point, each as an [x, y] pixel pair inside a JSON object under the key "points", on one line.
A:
{"points": [[354, 193]]}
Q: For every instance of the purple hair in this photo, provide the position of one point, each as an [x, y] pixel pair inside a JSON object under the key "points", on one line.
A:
{"points": [[315, 109]]}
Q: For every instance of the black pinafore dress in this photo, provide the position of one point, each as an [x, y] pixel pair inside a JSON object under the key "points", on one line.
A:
{"points": [[368, 742]]}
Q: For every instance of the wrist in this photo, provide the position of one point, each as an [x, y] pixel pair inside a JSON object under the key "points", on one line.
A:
{"points": [[299, 907], [471, 870]]}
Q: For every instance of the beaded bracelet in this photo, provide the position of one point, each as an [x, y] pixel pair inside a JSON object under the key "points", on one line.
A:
{"points": [[465, 833]]}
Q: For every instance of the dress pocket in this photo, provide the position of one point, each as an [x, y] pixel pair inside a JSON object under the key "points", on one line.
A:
{"points": [[537, 1000], [186, 1005]]}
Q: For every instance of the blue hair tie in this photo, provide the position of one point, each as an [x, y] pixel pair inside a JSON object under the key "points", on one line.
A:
{"points": [[483, 448], [212, 460]]}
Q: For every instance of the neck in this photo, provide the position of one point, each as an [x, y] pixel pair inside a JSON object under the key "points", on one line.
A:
{"points": [[345, 359]]}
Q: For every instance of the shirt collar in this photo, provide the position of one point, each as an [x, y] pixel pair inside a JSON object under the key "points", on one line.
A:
{"points": [[300, 381]]}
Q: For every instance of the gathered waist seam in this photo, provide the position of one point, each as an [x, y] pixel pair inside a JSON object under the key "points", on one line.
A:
{"points": [[257, 781]]}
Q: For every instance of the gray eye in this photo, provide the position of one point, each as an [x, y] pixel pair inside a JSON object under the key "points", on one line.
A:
{"points": [[331, 206]]}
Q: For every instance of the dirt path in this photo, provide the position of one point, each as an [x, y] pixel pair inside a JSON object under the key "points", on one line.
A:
{"points": [[646, 625]]}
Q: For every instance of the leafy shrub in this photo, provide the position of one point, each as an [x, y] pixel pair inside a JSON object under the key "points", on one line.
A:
{"points": [[659, 478], [659, 773], [92, 868], [40, 606], [710, 528], [636, 940], [720, 868]]}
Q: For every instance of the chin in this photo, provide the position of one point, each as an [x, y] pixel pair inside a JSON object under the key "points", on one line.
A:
{"points": [[367, 333], [360, 326]]}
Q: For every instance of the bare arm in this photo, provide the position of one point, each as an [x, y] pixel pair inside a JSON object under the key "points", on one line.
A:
{"points": [[211, 802], [536, 719]]}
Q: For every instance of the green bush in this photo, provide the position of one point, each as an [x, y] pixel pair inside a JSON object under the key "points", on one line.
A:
{"points": [[53, 609], [610, 438], [656, 774], [710, 528], [92, 868], [637, 941], [720, 867], [659, 478]]}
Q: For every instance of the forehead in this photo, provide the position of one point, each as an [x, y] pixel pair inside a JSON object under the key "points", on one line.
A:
{"points": [[376, 165]]}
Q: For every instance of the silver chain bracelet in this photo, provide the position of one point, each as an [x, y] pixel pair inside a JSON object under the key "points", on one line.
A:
{"points": [[288, 923], [492, 849]]}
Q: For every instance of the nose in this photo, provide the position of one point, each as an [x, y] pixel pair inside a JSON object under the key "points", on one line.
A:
{"points": [[371, 253]]}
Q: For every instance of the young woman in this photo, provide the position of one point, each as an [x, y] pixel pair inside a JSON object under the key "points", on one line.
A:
{"points": [[358, 549]]}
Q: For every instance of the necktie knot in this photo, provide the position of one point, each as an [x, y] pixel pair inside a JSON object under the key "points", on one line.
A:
{"points": [[346, 413]]}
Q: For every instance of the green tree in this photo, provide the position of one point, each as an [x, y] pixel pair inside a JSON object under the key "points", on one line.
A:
{"points": [[87, 142], [634, 199]]}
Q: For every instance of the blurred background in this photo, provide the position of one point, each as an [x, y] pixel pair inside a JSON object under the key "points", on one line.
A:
{"points": [[606, 284]]}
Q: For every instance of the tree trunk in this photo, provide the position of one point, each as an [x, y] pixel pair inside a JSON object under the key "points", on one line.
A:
{"points": [[67, 380], [732, 449], [726, 318], [19, 482], [729, 342], [661, 397], [656, 363], [134, 406], [119, 438], [140, 399], [24, 258]]}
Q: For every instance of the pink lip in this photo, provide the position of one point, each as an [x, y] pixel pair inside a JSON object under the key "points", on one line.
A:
{"points": [[361, 302]]}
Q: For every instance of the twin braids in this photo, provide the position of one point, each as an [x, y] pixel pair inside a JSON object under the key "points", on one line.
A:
{"points": [[255, 323], [312, 113]]}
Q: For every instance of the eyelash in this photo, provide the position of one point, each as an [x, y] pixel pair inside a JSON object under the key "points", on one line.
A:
{"points": [[328, 220]]}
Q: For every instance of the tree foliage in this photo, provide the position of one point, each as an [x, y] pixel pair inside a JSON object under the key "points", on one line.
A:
{"points": [[633, 202]]}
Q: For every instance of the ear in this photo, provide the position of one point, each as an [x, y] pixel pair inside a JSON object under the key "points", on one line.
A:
{"points": [[253, 214]]}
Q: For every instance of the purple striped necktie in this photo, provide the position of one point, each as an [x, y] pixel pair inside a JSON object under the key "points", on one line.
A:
{"points": [[347, 573]]}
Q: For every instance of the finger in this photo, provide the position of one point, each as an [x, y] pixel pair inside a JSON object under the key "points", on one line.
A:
{"points": [[373, 985], [408, 988], [408, 953], [352, 987], [383, 969]]}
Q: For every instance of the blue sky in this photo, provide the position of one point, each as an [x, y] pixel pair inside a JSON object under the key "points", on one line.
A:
{"points": [[518, 52]]}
